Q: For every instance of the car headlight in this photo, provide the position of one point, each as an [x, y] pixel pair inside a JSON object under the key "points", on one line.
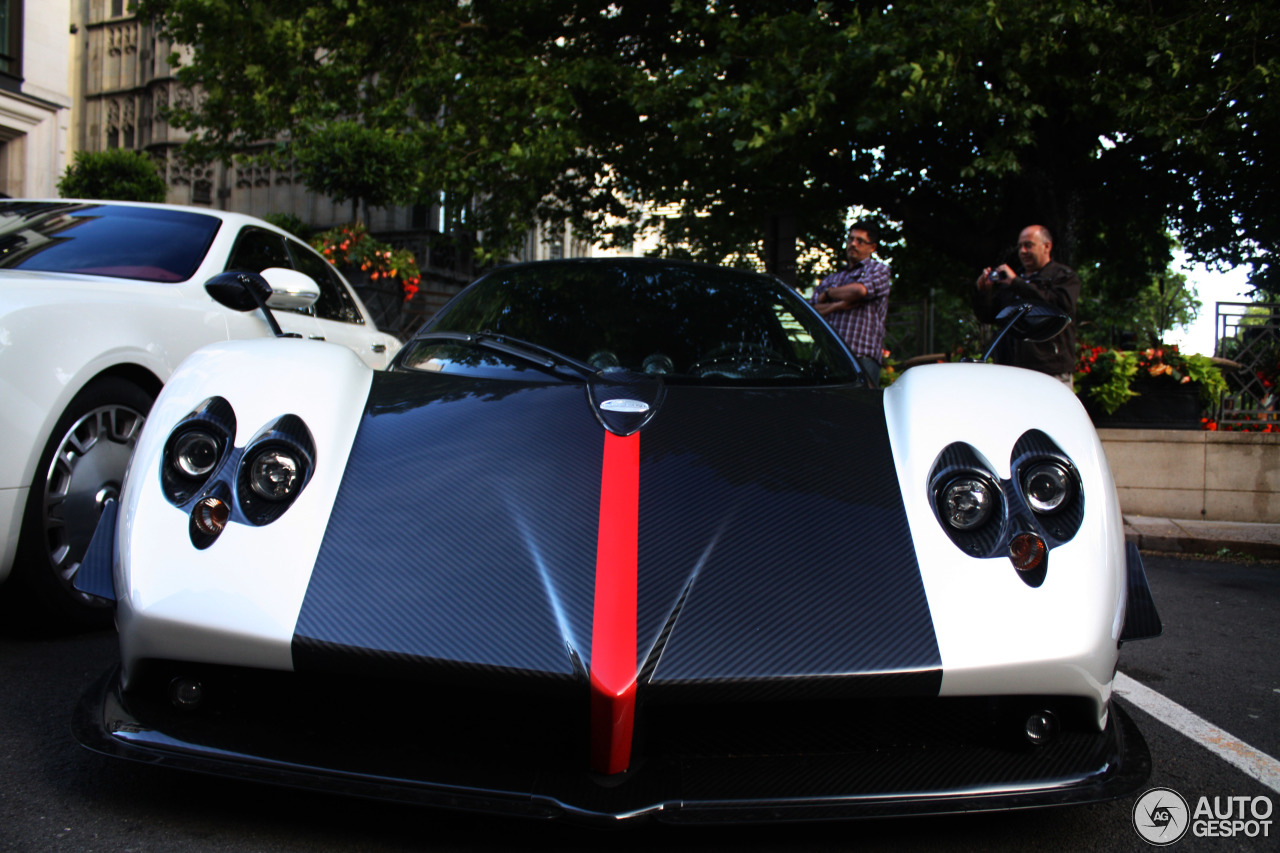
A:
{"points": [[277, 465], [1039, 507], [196, 447], [967, 502], [195, 453], [1050, 485], [1047, 486], [275, 474]]}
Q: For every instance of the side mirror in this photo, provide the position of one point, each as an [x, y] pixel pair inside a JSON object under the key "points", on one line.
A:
{"points": [[290, 288], [1038, 323], [275, 286], [1028, 321], [241, 290]]}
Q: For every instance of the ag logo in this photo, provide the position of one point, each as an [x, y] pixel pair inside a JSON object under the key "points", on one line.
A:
{"points": [[1161, 816], [623, 405]]}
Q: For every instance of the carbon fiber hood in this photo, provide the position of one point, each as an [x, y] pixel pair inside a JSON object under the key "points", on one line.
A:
{"points": [[773, 548]]}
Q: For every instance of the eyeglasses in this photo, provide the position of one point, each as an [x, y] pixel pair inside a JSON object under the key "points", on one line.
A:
{"points": [[861, 241]]}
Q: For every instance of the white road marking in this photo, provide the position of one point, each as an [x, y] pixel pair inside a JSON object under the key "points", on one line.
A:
{"points": [[1254, 762]]}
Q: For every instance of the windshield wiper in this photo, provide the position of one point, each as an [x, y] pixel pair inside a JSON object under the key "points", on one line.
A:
{"points": [[536, 354]]}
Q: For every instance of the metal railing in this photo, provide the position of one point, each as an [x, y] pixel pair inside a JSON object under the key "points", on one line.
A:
{"points": [[1248, 334]]}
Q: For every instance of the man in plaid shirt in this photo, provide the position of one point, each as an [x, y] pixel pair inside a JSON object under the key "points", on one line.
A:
{"points": [[855, 300]]}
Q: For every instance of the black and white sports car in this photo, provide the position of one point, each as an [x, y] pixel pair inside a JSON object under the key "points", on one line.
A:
{"points": [[621, 538]]}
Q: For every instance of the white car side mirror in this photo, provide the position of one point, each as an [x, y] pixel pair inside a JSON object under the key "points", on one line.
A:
{"points": [[290, 288]]}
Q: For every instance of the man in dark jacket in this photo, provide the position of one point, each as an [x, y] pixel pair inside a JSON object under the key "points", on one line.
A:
{"points": [[1042, 280]]}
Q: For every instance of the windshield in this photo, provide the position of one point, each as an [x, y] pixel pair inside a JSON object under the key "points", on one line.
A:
{"points": [[151, 244], [685, 322]]}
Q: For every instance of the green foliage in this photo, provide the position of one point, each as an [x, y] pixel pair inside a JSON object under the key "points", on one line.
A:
{"points": [[346, 160], [117, 174], [1110, 122], [293, 224], [1201, 369], [1165, 303], [1106, 375]]}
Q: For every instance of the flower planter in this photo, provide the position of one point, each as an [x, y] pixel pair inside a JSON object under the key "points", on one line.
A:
{"points": [[1162, 404], [384, 298], [384, 276]]}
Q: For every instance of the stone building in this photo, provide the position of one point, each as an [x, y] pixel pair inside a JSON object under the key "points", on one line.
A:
{"points": [[35, 96]]}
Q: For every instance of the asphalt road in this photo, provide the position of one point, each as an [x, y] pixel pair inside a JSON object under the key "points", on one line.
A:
{"points": [[1219, 658]]}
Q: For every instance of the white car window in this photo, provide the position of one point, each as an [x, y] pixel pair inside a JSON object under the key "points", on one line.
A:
{"points": [[256, 249], [336, 302], [138, 243]]}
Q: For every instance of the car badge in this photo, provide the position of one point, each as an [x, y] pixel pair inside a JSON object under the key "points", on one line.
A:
{"points": [[620, 405]]}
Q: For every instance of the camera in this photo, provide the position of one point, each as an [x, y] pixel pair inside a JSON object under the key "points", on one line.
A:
{"points": [[997, 275]]}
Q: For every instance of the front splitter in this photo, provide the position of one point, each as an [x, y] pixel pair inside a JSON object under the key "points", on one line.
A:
{"points": [[685, 785]]}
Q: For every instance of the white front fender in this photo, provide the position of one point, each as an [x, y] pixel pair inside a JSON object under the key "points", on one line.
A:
{"points": [[998, 635], [247, 587]]}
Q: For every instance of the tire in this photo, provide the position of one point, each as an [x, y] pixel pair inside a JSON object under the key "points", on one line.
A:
{"points": [[82, 465]]}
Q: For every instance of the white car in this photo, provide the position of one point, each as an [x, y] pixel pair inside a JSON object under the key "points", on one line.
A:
{"points": [[99, 302]]}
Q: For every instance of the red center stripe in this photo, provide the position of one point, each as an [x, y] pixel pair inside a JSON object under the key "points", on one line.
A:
{"points": [[613, 630]]}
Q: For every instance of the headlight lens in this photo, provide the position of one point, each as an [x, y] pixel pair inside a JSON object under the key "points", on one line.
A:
{"points": [[195, 453], [967, 502], [196, 447], [275, 474], [1047, 486]]}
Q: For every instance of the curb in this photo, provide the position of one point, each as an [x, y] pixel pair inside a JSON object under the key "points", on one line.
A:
{"points": [[1198, 537]]}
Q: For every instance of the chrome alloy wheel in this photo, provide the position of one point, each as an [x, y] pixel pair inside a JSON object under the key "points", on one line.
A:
{"points": [[86, 471]]}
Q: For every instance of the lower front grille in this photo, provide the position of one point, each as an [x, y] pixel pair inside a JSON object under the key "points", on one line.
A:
{"points": [[523, 747]]}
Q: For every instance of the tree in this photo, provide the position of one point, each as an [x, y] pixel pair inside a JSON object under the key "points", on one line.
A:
{"points": [[116, 174], [488, 115], [965, 122], [1142, 319], [346, 160], [958, 123]]}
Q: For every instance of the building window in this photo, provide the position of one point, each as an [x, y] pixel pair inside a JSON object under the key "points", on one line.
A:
{"points": [[10, 44]]}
